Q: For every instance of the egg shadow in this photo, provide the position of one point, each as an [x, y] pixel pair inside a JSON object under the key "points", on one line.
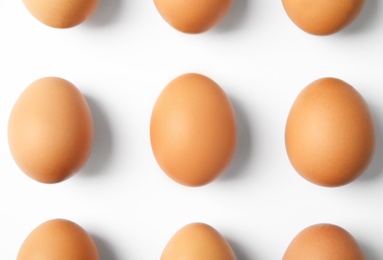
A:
{"points": [[235, 16], [105, 250], [369, 12], [103, 141], [243, 149], [106, 13], [369, 252], [239, 251], [375, 168]]}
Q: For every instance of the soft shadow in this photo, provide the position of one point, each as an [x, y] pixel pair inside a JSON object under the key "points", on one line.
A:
{"points": [[239, 251], [106, 13], [103, 141], [104, 248], [235, 16], [243, 149], [375, 169], [369, 252], [369, 12]]}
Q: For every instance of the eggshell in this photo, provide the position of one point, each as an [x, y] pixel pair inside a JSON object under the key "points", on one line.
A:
{"points": [[61, 13], [50, 130], [58, 239], [330, 136], [192, 130], [198, 241], [192, 16], [322, 17], [324, 241]]}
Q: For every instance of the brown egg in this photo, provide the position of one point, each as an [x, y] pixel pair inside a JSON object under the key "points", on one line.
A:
{"points": [[192, 130], [192, 16], [61, 13], [322, 17], [324, 241], [50, 130], [58, 239], [330, 136], [198, 241]]}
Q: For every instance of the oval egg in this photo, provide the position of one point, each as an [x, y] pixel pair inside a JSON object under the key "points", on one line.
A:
{"points": [[192, 16], [198, 241], [192, 130], [50, 130], [330, 135], [324, 241], [61, 13], [322, 17], [58, 239]]}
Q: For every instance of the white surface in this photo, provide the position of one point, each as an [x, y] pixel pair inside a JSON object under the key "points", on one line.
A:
{"points": [[121, 59]]}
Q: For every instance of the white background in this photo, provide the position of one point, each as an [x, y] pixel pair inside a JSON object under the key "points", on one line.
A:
{"points": [[121, 59]]}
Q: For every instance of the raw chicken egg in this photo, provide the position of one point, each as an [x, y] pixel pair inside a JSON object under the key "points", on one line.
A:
{"points": [[324, 241], [50, 130], [330, 135], [322, 17], [61, 13], [192, 16], [58, 239], [198, 241], [193, 130]]}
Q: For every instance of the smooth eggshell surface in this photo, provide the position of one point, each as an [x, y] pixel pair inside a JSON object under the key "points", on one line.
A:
{"points": [[330, 135], [198, 241], [50, 130], [192, 130], [192, 16], [61, 13], [324, 242], [58, 239], [322, 17]]}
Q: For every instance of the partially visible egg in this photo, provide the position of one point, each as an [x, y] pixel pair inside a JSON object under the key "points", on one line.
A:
{"points": [[192, 16], [322, 17], [61, 13], [50, 130], [324, 241], [198, 241], [330, 135], [58, 239], [192, 130]]}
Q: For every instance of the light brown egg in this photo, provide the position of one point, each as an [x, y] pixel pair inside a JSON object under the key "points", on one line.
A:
{"points": [[192, 16], [61, 13], [192, 130], [198, 241], [322, 17], [330, 136], [324, 241], [50, 130], [58, 239]]}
